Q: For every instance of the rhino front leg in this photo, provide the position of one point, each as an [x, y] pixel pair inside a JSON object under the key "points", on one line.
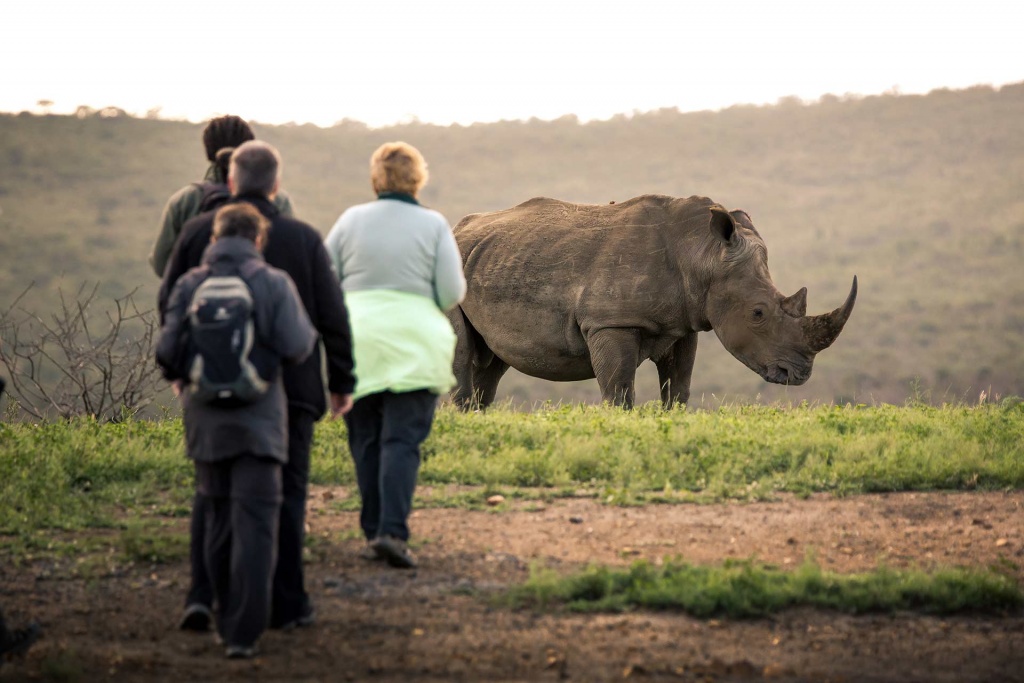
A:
{"points": [[614, 353], [675, 369]]}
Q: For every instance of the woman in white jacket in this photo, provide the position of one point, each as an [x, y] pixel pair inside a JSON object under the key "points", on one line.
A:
{"points": [[400, 270]]}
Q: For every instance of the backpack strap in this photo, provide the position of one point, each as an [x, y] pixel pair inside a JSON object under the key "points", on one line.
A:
{"points": [[213, 195]]}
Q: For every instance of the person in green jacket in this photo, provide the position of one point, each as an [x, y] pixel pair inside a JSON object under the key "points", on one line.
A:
{"points": [[223, 131]]}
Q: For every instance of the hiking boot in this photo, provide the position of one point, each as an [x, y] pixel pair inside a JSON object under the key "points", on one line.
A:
{"points": [[18, 641], [394, 551], [197, 617], [240, 651]]}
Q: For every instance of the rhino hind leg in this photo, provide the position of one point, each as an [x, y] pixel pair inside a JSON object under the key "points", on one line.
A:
{"points": [[675, 370], [477, 370], [614, 354], [485, 381], [462, 365]]}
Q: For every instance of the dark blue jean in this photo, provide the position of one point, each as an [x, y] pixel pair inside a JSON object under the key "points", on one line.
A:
{"points": [[241, 509], [385, 431], [290, 600]]}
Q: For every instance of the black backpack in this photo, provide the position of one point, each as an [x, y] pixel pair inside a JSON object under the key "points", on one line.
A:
{"points": [[214, 195], [226, 364]]}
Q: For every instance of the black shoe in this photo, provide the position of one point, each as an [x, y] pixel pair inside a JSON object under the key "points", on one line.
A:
{"points": [[394, 551], [197, 617], [18, 641]]}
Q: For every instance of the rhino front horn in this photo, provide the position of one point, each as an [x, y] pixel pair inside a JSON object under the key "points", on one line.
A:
{"points": [[821, 330]]}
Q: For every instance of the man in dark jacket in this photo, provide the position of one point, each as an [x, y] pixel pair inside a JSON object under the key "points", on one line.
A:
{"points": [[297, 249], [220, 133], [239, 450]]}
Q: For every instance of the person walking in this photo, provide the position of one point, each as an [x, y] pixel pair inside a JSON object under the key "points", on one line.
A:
{"points": [[400, 269], [238, 448], [220, 133], [297, 249]]}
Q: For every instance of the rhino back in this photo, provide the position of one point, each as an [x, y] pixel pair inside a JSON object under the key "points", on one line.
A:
{"points": [[543, 272], [576, 240]]}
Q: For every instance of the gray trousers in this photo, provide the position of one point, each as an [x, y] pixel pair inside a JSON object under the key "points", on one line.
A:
{"points": [[241, 498]]}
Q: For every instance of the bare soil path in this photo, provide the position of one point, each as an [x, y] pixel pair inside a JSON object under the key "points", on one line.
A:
{"points": [[435, 623]]}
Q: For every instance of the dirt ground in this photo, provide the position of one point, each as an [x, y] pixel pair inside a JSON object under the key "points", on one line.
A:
{"points": [[435, 623]]}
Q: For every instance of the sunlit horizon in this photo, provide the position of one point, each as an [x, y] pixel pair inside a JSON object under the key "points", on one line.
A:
{"points": [[455, 62], [45, 107]]}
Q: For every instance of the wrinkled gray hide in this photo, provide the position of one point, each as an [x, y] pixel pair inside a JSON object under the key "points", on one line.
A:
{"points": [[573, 291]]}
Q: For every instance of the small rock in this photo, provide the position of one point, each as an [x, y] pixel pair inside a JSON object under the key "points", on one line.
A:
{"points": [[576, 520], [331, 583], [495, 500], [1001, 542], [775, 671]]}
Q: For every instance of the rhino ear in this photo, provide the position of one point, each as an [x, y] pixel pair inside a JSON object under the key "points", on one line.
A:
{"points": [[723, 225]]}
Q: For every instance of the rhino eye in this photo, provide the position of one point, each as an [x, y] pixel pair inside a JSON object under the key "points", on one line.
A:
{"points": [[758, 314]]}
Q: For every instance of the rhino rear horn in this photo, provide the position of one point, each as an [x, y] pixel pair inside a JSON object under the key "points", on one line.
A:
{"points": [[796, 305], [821, 331]]}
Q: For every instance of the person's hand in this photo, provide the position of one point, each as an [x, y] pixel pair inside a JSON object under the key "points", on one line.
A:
{"points": [[177, 386], [340, 404]]}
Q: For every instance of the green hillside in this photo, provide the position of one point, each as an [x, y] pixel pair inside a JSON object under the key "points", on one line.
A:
{"points": [[919, 196]]}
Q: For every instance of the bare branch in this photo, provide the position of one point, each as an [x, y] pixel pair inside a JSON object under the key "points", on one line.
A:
{"points": [[67, 365]]}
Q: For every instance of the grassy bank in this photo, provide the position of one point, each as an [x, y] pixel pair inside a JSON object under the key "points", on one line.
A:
{"points": [[749, 589], [83, 473]]}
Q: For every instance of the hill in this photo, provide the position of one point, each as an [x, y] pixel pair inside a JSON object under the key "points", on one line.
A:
{"points": [[920, 196]]}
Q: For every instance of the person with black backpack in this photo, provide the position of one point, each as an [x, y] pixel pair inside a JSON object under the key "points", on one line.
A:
{"points": [[229, 325], [298, 249], [208, 194]]}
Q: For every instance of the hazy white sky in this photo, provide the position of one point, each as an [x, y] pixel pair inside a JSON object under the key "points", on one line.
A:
{"points": [[450, 61]]}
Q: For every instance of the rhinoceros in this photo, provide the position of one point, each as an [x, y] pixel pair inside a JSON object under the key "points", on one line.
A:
{"points": [[567, 292]]}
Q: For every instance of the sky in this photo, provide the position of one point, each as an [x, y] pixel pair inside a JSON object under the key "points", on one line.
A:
{"points": [[449, 61]]}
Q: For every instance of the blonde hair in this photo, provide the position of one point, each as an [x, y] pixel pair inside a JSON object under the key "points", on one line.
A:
{"points": [[398, 167]]}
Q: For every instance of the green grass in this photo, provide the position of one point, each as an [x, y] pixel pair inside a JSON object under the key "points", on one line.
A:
{"points": [[72, 475], [740, 589], [130, 485], [69, 475], [149, 544]]}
